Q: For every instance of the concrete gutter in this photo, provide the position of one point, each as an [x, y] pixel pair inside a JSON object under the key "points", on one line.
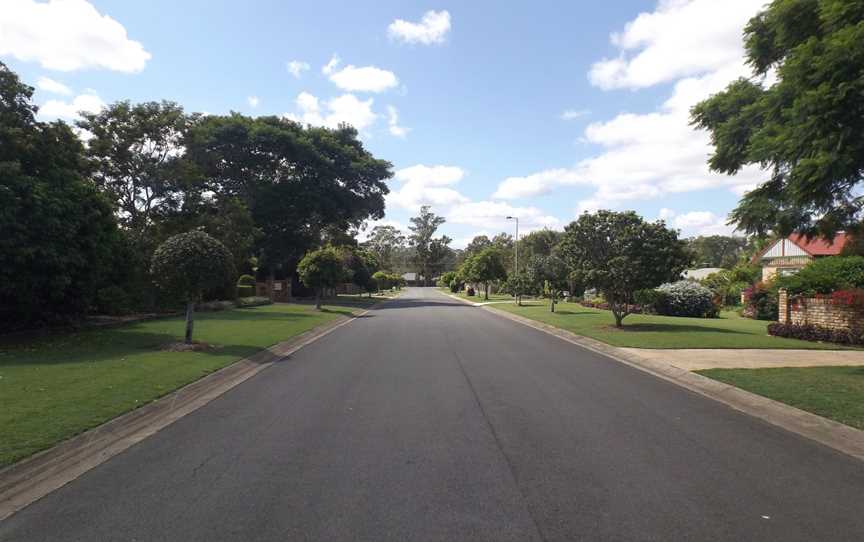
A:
{"points": [[822, 430], [31, 479]]}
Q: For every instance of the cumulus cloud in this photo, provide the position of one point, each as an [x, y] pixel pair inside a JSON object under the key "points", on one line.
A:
{"points": [[492, 215], [67, 35], [431, 29], [426, 185], [297, 67], [347, 109], [253, 101], [648, 155], [59, 109], [680, 38], [365, 79], [55, 87], [694, 223], [393, 123]]}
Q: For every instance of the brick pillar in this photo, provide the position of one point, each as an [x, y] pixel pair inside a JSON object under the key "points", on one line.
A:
{"points": [[783, 306]]}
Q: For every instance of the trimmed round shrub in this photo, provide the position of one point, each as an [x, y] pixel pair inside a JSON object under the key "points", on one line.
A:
{"points": [[685, 298], [244, 290], [246, 280]]}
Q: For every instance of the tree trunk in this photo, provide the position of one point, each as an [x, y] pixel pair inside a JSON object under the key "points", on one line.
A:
{"points": [[318, 299], [552, 304], [619, 316], [190, 321], [486, 292]]}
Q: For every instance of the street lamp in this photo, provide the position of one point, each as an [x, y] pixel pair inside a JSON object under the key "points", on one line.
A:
{"points": [[516, 244]]}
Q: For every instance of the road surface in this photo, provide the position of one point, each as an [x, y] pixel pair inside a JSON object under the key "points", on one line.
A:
{"points": [[429, 419]]}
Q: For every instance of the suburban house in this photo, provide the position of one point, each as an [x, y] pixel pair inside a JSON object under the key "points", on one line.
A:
{"points": [[788, 255]]}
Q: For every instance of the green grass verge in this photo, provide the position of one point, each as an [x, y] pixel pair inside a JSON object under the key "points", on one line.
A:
{"points": [[651, 331], [54, 387], [832, 392]]}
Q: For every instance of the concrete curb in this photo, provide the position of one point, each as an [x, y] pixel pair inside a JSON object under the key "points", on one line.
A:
{"points": [[31, 479], [822, 430]]}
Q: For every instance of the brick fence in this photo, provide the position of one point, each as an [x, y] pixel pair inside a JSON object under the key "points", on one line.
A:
{"points": [[820, 312]]}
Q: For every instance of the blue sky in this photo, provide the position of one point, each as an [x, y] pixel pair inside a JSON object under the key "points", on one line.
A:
{"points": [[467, 100]]}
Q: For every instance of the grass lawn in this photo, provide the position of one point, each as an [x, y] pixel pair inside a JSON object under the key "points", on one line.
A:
{"points": [[479, 297], [650, 331], [833, 392], [53, 387]]}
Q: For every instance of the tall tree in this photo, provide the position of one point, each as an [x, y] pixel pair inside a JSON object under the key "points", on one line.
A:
{"points": [[385, 241], [59, 234], [716, 250], [135, 152], [539, 243], [426, 253], [476, 245], [620, 254], [807, 129], [298, 182]]}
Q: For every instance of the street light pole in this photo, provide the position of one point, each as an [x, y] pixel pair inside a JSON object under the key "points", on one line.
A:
{"points": [[516, 244]]}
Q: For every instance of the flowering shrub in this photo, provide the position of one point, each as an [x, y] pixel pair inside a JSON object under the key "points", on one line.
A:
{"points": [[686, 298], [848, 298], [816, 334], [760, 302]]}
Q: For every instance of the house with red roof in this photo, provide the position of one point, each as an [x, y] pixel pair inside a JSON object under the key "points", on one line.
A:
{"points": [[788, 255]]}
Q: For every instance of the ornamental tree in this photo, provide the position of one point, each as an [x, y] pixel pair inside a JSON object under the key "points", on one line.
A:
{"points": [[188, 264], [620, 253], [320, 269], [484, 267], [549, 273]]}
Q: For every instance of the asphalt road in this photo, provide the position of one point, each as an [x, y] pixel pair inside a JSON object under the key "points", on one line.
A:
{"points": [[433, 420]]}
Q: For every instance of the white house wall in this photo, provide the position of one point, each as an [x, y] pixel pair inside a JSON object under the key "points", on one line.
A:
{"points": [[784, 248]]}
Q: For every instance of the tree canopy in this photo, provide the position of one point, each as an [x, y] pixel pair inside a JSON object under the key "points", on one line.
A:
{"points": [[716, 250], [429, 253], [59, 236], [322, 268], [806, 129]]}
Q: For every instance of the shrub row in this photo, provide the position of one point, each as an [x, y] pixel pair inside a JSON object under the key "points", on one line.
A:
{"points": [[816, 334]]}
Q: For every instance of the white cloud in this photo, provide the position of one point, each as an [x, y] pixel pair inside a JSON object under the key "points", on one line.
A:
{"points": [[492, 215], [346, 109], [54, 109], [431, 29], [365, 79], [680, 38], [331, 66], [648, 155], [55, 87], [573, 114], [426, 185], [694, 223], [253, 101], [67, 35], [297, 67], [393, 123]]}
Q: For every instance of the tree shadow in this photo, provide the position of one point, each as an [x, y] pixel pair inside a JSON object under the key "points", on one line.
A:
{"points": [[670, 328]]}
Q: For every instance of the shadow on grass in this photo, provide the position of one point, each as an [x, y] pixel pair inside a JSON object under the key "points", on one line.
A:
{"points": [[669, 328]]}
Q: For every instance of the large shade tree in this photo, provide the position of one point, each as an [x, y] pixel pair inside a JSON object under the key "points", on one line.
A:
{"points": [[298, 182], [620, 254], [385, 241], [58, 234], [485, 267], [806, 129]]}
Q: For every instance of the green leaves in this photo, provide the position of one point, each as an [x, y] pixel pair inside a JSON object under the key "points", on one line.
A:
{"points": [[188, 264], [807, 129], [322, 268]]}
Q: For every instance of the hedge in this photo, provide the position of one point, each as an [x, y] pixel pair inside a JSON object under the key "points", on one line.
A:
{"points": [[816, 333]]}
